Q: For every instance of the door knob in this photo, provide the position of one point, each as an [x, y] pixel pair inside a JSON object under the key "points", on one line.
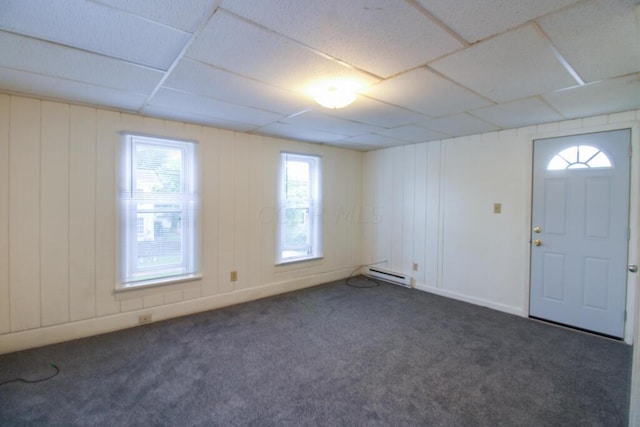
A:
{"points": [[632, 268], [537, 229], [537, 242]]}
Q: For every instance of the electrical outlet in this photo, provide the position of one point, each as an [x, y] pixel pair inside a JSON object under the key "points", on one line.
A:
{"points": [[415, 266], [413, 282], [144, 318], [234, 276], [497, 208]]}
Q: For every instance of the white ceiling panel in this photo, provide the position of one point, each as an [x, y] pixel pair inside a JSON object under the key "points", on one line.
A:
{"points": [[510, 66], [95, 28], [376, 113], [315, 119], [375, 140], [185, 15], [182, 101], [413, 134], [514, 114], [301, 133], [237, 46], [191, 117], [27, 54], [478, 19], [598, 98], [56, 88], [206, 80], [426, 92], [383, 37], [459, 125], [599, 38]]}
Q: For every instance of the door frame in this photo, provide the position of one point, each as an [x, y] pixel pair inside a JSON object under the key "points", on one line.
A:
{"points": [[633, 279]]}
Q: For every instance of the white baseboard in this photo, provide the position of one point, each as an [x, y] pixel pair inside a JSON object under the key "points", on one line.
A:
{"points": [[472, 300], [69, 331]]}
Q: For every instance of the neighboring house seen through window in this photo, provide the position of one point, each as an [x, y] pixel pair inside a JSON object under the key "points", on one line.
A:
{"points": [[158, 205]]}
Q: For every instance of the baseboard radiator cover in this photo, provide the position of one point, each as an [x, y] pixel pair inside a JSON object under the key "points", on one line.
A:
{"points": [[388, 276]]}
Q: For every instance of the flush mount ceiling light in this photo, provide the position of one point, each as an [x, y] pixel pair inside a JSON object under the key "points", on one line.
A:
{"points": [[336, 93]]}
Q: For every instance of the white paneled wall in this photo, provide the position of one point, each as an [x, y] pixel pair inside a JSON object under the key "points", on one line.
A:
{"points": [[58, 221], [432, 204]]}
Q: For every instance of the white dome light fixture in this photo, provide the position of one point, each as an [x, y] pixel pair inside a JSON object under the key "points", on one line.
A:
{"points": [[336, 93]]}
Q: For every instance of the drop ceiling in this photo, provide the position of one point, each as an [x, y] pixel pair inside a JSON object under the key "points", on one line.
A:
{"points": [[430, 69]]}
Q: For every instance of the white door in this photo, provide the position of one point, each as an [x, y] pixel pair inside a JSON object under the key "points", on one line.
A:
{"points": [[580, 230]]}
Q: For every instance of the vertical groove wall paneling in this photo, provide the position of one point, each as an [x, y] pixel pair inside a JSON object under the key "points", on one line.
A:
{"points": [[208, 151], [54, 213], [82, 213], [420, 213], [24, 213], [254, 250], [108, 142], [243, 162], [5, 307], [408, 209], [226, 218]]}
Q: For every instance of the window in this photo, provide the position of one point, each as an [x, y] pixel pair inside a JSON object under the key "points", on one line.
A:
{"points": [[300, 210], [158, 206], [579, 157]]}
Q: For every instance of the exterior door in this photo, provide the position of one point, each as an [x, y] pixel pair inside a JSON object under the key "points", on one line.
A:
{"points": [[580, 230]]}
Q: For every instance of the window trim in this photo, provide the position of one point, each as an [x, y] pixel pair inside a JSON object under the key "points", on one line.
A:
{"points": [[127, 228], [315, 207]]}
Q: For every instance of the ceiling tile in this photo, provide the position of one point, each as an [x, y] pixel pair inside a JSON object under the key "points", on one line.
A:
{"points": [[233, 44], [185, 15], [609, 96], [27, 54], [95, 28], [186, 102], [459, 125], [381, 36], [478, 19], [518, 113], [600, 39], [513, 65], [56, 88], [426, 92], [206, 80], [413, 134], [190, 117], [314, 119], [300, 133], [376, 113], [375, 140]]}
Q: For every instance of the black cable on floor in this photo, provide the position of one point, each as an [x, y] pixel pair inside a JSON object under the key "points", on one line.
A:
{"points": [[348, 282], [23, 380]]}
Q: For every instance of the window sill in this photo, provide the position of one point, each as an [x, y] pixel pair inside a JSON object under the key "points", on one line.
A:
{"points": [[298, 261], [148, 287]]}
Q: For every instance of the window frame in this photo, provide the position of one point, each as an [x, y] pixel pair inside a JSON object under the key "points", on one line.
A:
{"points": [[314, 206], [187, 199]]}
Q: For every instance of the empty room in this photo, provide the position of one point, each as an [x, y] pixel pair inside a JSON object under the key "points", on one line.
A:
{"points": [[320, 212]]}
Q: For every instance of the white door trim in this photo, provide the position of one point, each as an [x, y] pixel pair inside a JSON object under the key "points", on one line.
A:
{"points": [[634, 212]]}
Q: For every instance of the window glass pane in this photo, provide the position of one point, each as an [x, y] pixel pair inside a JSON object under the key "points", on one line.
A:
{"points": [[600, 160], [299, 229], [158, 202], [579, 157], [297, 180], [586, 152], [158, 169]]}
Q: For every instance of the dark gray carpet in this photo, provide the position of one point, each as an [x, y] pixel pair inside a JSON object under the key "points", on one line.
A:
{"points": [[329, 355]]}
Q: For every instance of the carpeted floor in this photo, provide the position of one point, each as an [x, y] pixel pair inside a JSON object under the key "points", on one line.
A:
{"points": [[329, 355]]}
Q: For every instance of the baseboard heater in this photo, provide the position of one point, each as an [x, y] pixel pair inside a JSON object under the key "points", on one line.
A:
{"points": [[388, 276]]}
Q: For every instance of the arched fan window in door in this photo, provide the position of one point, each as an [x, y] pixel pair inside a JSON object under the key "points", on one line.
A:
{"points": [[579, 157]]}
